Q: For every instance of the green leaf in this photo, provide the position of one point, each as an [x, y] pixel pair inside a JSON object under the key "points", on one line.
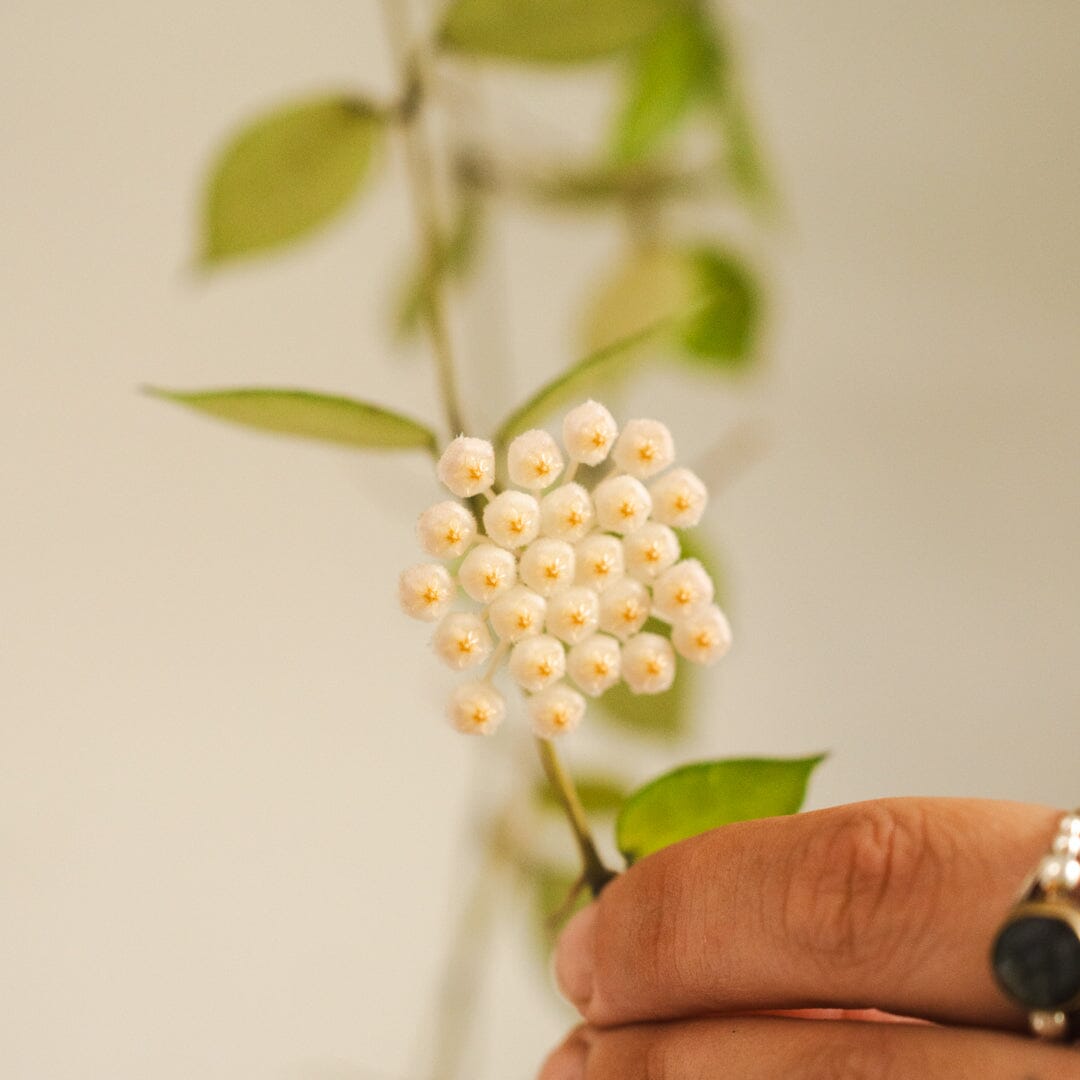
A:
{"points": [[286, 174], [724, 334], [745, 162], [549, 31], [599, 794], [325, 417], [552, 889], [665, 716], [671, 72], [697, 798]]}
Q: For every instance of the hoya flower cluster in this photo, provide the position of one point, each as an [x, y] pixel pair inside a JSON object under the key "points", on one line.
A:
{"points": [[563, 579]]}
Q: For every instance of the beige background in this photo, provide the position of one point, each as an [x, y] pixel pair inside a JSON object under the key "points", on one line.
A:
{"points": [[228, 810]]}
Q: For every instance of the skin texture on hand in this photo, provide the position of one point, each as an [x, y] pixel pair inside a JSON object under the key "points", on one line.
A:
{"points": [[888, 905]]}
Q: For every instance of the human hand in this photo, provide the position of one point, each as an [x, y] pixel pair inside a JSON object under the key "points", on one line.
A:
{"points": [[889, 905]]}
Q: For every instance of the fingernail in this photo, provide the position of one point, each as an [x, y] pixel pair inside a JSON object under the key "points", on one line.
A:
{"points": [[568, 1062], [574, 958]]}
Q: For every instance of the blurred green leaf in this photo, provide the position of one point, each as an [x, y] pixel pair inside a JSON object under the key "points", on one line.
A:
{"points": [[704, 796], [286, 174], [665, 716], [672, 71], [549, 31], [309, 415], [745, 163], [553, 902], [599, 794], [723, 335]]}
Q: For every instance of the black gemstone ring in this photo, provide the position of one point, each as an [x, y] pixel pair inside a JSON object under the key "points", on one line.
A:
{"points": [[1036, 953]]}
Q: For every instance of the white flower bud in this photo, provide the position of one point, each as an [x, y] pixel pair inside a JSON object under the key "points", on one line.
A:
{"points": [[487, 571], [446, 529], [650, 551], [467, 466], [566, 513], [595, 664], [622, 503], [462, 641], [512, 519], [681, 590], [534, 460], [589, 432], [679, 498], [547, 565], [624, 608], [645, 447], [426, 591], [518, 613], [573, 614], [703, 636], [648, 664], [556, 710], [600, 561], [537, 662], [476, 708]]}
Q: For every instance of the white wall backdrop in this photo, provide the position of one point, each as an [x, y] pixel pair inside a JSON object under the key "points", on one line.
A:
{"points": [[229, 811]]}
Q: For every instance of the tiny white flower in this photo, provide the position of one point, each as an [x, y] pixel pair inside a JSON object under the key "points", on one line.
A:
{"points": [[682, 590], [534, 460], [704, 636], [476, 708], [645, 448], [518, 613], [589, 432], [679, 498], [556, 711], [446, 529], [566, 513], [487, 571], [512, 519], [467, 466], [650, 550], [537, 662], [547, 565], [648, 664], [595, 664], [426, 591], [600, 561], [573, 614], [622, 503], [624, 608], [462, 641]]}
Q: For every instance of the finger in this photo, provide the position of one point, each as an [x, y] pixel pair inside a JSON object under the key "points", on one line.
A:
{"points": [[889, 904], [767, 1048]]}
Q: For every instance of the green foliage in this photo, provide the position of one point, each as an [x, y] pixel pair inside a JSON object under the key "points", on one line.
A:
{"points": [[704, 796], [665, 716], [724, 334], [599, 794], [672, 71], [554, 901], [286, 174], [324, 417], [549, 31]]}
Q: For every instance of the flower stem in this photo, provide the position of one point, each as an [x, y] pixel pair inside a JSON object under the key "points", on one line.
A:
{"points": [[594, 870]]}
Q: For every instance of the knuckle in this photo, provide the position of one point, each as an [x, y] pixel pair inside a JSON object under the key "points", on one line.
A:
{"points": [[863, 890]]}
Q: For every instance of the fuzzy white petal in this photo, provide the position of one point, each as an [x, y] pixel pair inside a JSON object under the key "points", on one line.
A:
{"points": [[467, 466], [518, 613], [682, 590], [650, 551], [426, 591], [645, 448], [476, 708], [534, 460], [648, 664], [624, 608], [537, 662], [446, 529], [573, 614], [487, 571], [589, 432], [679, 498], [512, 519], [567, 513], [600, 561], [547, 566], [622, 503], [595, 664], [704, 636], [556, 711], [462, 641]]}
